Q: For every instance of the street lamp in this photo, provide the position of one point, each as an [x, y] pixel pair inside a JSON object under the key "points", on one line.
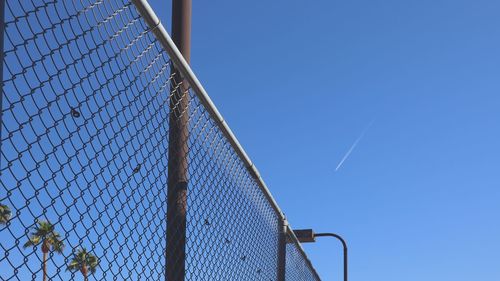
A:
{"points": [[308, 236]]}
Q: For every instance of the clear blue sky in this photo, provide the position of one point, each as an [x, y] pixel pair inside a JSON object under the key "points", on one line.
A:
{"points": [[298, 81]]}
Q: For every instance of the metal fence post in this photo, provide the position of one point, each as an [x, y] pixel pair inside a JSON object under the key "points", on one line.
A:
{"points": [[282, 239], [178, 149]]}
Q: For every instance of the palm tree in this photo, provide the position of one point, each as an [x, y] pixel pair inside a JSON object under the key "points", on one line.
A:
{"points": [[5, 214], [84, 262], [45, 235]]}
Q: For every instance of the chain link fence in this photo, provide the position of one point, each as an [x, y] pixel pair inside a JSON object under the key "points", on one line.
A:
{"points": [[298, 267], [114, 167]]}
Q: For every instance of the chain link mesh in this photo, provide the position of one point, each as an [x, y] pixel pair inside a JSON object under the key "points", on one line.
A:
{"points": [[298, 267], [88, 100]]}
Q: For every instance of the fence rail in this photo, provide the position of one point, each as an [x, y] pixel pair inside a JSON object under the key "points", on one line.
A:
{"points": [[91, 90]]}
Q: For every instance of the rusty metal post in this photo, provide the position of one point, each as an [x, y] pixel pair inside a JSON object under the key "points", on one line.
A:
{"points": [[282, 239], [178, 148]]}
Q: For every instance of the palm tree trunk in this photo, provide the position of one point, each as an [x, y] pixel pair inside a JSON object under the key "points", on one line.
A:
{"points": [[44, 266], [85, 272]]}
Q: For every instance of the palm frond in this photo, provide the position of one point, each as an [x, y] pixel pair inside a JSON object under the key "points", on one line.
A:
{"points": [[93, 263], [5, 214], [32, 241], [44, 233], [82, 258], [73, 266], [58, 246], [43, 228]]}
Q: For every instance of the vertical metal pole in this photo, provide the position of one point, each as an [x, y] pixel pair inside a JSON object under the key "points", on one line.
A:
{"points": [[178, 148], [344, 246], [282, 228], [345, 263]]}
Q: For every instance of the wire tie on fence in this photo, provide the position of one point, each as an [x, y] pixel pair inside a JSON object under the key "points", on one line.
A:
{"points": [[75, 113], [137, 169], [253, 172], [152, 29]]}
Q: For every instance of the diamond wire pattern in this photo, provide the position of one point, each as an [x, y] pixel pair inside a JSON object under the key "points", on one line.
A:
{"points": [[84, 146], [228, 214], [298, 268]]}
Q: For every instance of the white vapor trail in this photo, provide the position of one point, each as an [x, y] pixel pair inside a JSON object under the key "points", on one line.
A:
{"points": [[353, 146]]}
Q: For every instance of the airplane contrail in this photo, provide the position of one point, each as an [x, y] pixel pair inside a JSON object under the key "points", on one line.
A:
{"points": [[353, 146]]}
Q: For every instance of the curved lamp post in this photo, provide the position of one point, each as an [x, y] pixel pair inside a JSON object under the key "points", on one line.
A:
{"points": [[308, 236]]}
